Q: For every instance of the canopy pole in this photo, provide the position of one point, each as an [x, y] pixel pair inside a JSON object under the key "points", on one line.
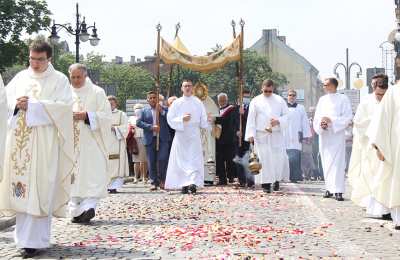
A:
{"points": [[158, 27]]}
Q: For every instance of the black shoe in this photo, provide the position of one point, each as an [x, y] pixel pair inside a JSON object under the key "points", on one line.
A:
{"points": [[276, 186], [185, 190], [76, 220], [112, 191], [339, 197], [387, 216], [192, 189], [87, 215], [327, 194], [29, 253], [154, 188], [266, 187]]}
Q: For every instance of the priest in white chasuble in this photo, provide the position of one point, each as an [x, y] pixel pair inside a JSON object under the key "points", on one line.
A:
{"points": [[187, 116], [92, 139], [383, 134], [333, 115], [118, 158], [39, 152], [266, 123], [364, 164], [3, 123]]}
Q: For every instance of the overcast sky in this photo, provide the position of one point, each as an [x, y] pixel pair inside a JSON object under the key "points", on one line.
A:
{"points": [[320, 30]]}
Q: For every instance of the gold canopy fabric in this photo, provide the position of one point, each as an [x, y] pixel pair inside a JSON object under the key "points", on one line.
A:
{"points": [[177, 53]]}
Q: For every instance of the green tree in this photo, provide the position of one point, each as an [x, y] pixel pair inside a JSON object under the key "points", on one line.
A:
{"points": [[131, 82], [16, 18]]}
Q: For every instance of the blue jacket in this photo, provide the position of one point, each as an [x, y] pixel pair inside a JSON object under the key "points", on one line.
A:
{"points": [[145, 121]]}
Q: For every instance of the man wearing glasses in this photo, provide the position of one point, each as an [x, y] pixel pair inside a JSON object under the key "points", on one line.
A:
{"points": [[39, 151], [383, 134], [267, 119], [364, 164], [298, 129], [332, 116]]}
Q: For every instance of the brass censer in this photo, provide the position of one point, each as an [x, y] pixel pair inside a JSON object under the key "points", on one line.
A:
{"points": [[254, 163]]}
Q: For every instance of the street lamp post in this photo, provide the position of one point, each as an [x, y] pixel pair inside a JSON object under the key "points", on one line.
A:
{"points": [[80, 32], [347, 69]]}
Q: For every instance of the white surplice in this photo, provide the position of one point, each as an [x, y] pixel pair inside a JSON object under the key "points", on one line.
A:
{"points": [[92, 146], [119, 167], [3, 124], [186, 161], [270, 147], [297, 122], [384, 133], [364, 162], [332, 142], [39, 155]]}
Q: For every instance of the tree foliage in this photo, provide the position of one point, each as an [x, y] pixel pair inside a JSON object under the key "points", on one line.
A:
{"points": [[16, 18]]}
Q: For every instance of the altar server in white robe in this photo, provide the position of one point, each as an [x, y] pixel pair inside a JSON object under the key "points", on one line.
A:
{"points": [[3, 123], [384, 136], [364, 164], [119, 167], [39, 153], [333, 115], [187, 116], [92, 124], [266, 123]]}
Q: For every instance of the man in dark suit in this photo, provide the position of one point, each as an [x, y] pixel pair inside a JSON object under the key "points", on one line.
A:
{"points": [[157, 160], [225, 144], [244, 177]]}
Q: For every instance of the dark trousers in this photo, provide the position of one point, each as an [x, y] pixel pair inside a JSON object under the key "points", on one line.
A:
{"points": [[295, 164], [157, 161], [225, 166], [244, 176]]}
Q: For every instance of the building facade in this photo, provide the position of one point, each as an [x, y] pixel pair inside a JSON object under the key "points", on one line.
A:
{"points": [[301, 74]]}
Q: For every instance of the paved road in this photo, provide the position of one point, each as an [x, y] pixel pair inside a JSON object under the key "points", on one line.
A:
{"points": [[221, 223]]}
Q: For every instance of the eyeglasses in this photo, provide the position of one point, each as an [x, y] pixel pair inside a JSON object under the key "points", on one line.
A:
{"points": [[291, 95], [42, 59]]}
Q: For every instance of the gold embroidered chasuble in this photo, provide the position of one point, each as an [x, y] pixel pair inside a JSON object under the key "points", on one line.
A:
{"points": [[38, 159], [91, 171]]}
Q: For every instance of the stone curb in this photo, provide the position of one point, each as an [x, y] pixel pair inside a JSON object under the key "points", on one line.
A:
{"points": [[7, 222]]}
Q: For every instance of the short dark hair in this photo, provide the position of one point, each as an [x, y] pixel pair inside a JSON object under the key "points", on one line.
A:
{"points": [[268, 83], [151, 93], [333, 81], [382, 81], [41, 46], [246, 91], [187, 80]]}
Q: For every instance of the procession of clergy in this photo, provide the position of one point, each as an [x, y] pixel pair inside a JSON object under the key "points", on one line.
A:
{"points": [[62, 145]]}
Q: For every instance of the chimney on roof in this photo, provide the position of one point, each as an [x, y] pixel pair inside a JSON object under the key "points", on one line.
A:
{"points": [[282, 38]]}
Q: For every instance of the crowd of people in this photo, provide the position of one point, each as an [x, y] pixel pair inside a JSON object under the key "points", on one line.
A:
{"points": [[64, 145]]}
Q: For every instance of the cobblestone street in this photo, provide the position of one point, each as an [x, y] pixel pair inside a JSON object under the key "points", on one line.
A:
{"points": [[221, 223]]}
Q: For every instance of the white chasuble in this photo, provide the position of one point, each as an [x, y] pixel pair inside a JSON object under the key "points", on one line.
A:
{"points": [[92, 142], [3, 124], [186, 161], [269, 145], [38, 157], [384, 133], [363, 162], [332, 141], [119, 167]]}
